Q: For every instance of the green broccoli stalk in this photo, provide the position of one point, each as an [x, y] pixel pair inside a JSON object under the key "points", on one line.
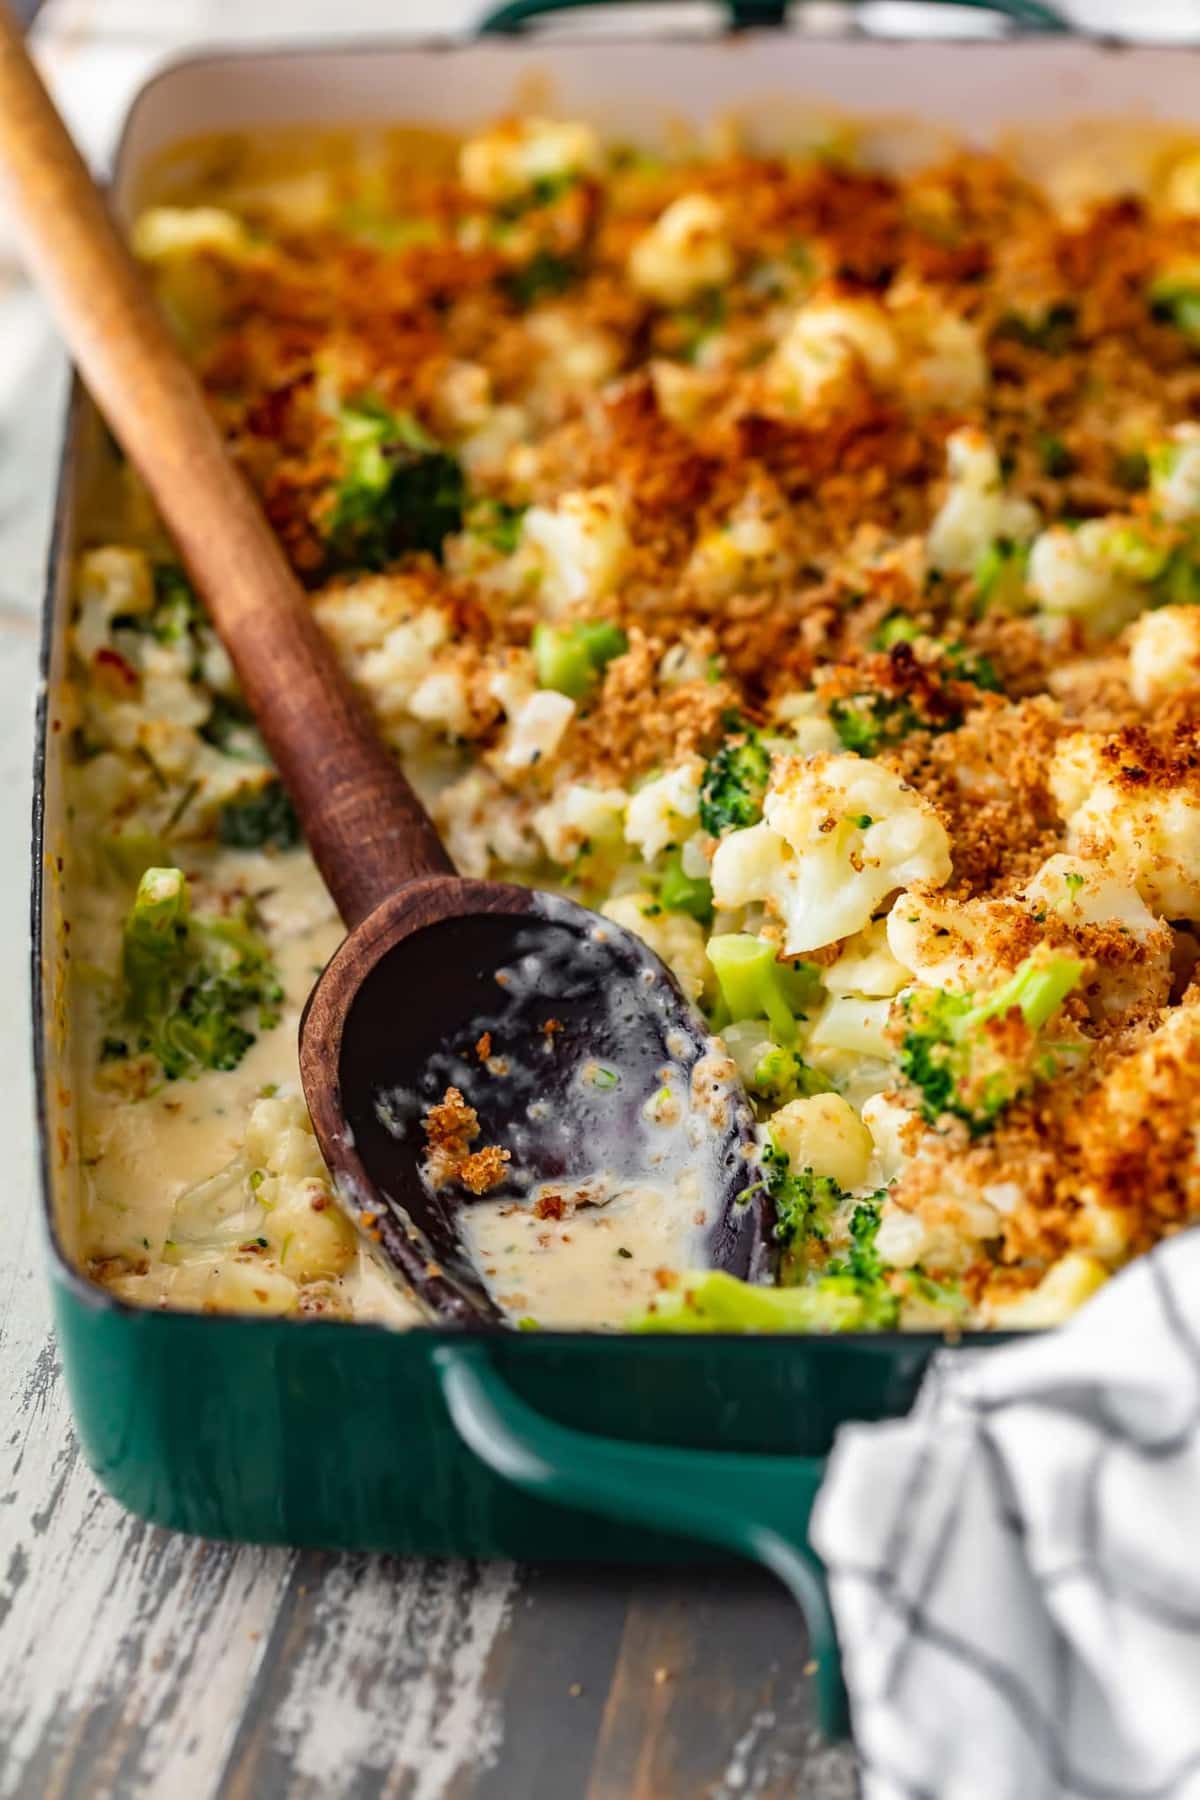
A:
{"points": [[710, 1300], [754, 984], [974, 1057], [734, 783], [192, 988], [691, 894], [399, 490], [571, 658]]}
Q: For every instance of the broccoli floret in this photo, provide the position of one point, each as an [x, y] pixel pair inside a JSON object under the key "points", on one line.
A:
{"points": [[192, 988], [804, 1207], [1178, 582], [755, 984], [734, 783], [546, 273], [1054, 332], [400, 490], [861, 1271], [868, 722], [958, 661], [178, 614], [781, 1075], [710, 1300], [252, 821], [1000, 577], [691, 894], [1175, 299], [571, 658], [1131, 469], [974, 1057], [496, 522], [1055, 457]]}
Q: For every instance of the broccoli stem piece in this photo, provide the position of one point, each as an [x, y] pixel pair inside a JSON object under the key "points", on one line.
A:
{"points": [[691, 894], [571, 658], [754, 984], [713, 1301], [964, 1056]]}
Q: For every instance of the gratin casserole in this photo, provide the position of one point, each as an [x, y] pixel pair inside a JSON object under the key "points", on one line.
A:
{"points": [[794, 561]]}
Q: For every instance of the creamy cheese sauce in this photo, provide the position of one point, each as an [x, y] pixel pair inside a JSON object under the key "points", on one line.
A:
{"points": [[165, 1178], [601, 1259]]}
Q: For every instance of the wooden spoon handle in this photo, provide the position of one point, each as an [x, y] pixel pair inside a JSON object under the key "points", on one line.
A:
{"points": [[365, 826]]}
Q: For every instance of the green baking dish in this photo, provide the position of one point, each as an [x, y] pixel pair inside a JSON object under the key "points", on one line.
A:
{"points": [[543, 1445]]}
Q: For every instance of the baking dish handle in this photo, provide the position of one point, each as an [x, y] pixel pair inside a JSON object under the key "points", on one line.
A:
{"points": [[754, 1504], [515, 15]]}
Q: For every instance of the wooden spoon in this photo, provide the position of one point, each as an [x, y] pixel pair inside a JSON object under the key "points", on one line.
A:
{"points": [[431, 960]]}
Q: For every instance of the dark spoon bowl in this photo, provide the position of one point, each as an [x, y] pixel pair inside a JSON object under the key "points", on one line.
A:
{"points": [[396, 1018]]}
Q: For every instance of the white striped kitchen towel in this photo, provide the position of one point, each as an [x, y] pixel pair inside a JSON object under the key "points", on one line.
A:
{"points": [[1015, 1567]]}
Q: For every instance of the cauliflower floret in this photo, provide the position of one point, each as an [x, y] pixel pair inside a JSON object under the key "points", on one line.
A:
{"points": [[684, 251], [683, 392], [506, 162], [112, 583], [1145, 824], [744, 553], [678, 939], [839, 834], [1096, 572], [387, 637], [976, 511], [163, 232], [486, 449], [894, 1130], [442, 701], [582, 544], [1175, 475], [943, 358], [484, 826], [577, 355], [579, 814], [809, 728], [663, 811], [306, 1232], [850, 1025], [947, 943], [866, 966], [537, 731], [1164, 653], [826, 342], [825, 1134]]}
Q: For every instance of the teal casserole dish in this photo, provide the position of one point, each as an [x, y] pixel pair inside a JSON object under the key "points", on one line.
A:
{"points": [[540, 1445]]}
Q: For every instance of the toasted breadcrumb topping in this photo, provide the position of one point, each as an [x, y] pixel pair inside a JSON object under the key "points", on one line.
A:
{"points": [[761, 547]]}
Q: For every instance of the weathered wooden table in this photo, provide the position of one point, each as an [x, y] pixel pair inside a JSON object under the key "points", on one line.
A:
{"points": [[133, 1662]]}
